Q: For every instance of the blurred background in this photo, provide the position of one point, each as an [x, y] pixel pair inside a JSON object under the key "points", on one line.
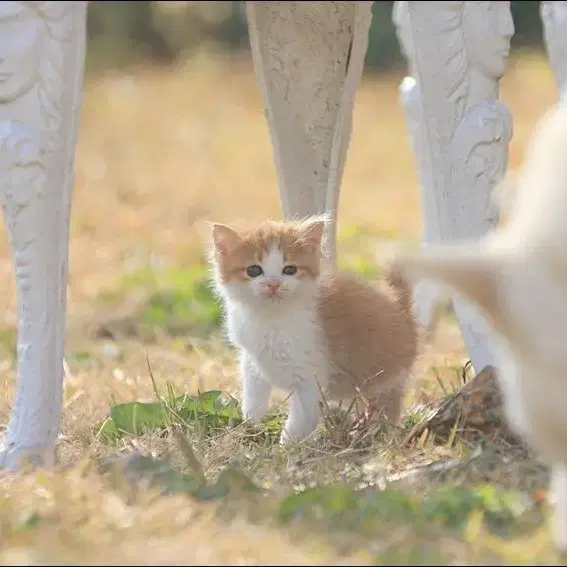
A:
{"points": [[122, 34], [172, 133]]}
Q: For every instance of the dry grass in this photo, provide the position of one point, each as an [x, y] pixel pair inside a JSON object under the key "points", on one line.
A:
{"points": [[158, 151]]}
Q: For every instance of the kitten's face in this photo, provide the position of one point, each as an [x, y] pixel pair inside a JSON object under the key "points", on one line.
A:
{"points": [[274, 262]]}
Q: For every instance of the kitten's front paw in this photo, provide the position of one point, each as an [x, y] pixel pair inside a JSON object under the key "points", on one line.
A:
{"points": [[287, 439], [254, 412], [295, 432]]}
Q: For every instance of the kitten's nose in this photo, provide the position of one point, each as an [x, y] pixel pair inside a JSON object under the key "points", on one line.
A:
{"points": [[273, 287]]}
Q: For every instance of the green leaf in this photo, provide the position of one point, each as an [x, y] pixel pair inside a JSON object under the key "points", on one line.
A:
{"points": [[139, 417], [215, 406], [108, 431]]}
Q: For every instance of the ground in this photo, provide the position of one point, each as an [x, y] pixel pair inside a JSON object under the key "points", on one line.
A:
{"points": [[186, 483]]}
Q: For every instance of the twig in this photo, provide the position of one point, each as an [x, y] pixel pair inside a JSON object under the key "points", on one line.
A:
{"points": [[189, 454]]}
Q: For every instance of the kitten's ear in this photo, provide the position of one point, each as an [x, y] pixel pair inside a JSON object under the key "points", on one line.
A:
{"points": [[313, 232], [224, 238]]}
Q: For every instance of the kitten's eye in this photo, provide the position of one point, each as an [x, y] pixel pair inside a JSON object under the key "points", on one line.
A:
{"points": [[254, 271], [289, 270]]}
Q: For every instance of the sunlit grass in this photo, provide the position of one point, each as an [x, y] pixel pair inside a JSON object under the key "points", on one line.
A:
{"points": [[160, 151]]}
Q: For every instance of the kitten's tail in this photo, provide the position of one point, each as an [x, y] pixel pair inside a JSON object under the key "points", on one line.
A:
{"points": [[404, 292], [405, 295]]}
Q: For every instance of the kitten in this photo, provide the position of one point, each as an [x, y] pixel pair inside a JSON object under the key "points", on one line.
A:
{"points": [[307, 330], [517, 276]]}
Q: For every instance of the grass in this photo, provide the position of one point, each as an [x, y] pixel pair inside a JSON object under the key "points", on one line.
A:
{"points": [[155, 463]]}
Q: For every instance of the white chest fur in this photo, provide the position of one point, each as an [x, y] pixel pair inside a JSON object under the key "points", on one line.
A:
{"points": [[286, 344]]}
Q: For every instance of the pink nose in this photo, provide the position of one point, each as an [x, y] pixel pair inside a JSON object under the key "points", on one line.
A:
{"points": [[273, 287]]}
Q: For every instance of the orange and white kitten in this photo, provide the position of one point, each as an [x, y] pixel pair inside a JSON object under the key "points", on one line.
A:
{"points": [[306, 330]]}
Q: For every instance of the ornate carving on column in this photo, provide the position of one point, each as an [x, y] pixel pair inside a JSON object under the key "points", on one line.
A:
{"points": [[457, 52], [308, 58], [42, 46], [554, 20]]}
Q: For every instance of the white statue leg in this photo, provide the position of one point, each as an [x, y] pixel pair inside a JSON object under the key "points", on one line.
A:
{"points": [[426, 293], [308, 58], [457, 52], [554, 20], [42, 48]]}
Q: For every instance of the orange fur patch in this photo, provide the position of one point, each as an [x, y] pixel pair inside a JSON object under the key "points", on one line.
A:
{"points": [[372, 338]]}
